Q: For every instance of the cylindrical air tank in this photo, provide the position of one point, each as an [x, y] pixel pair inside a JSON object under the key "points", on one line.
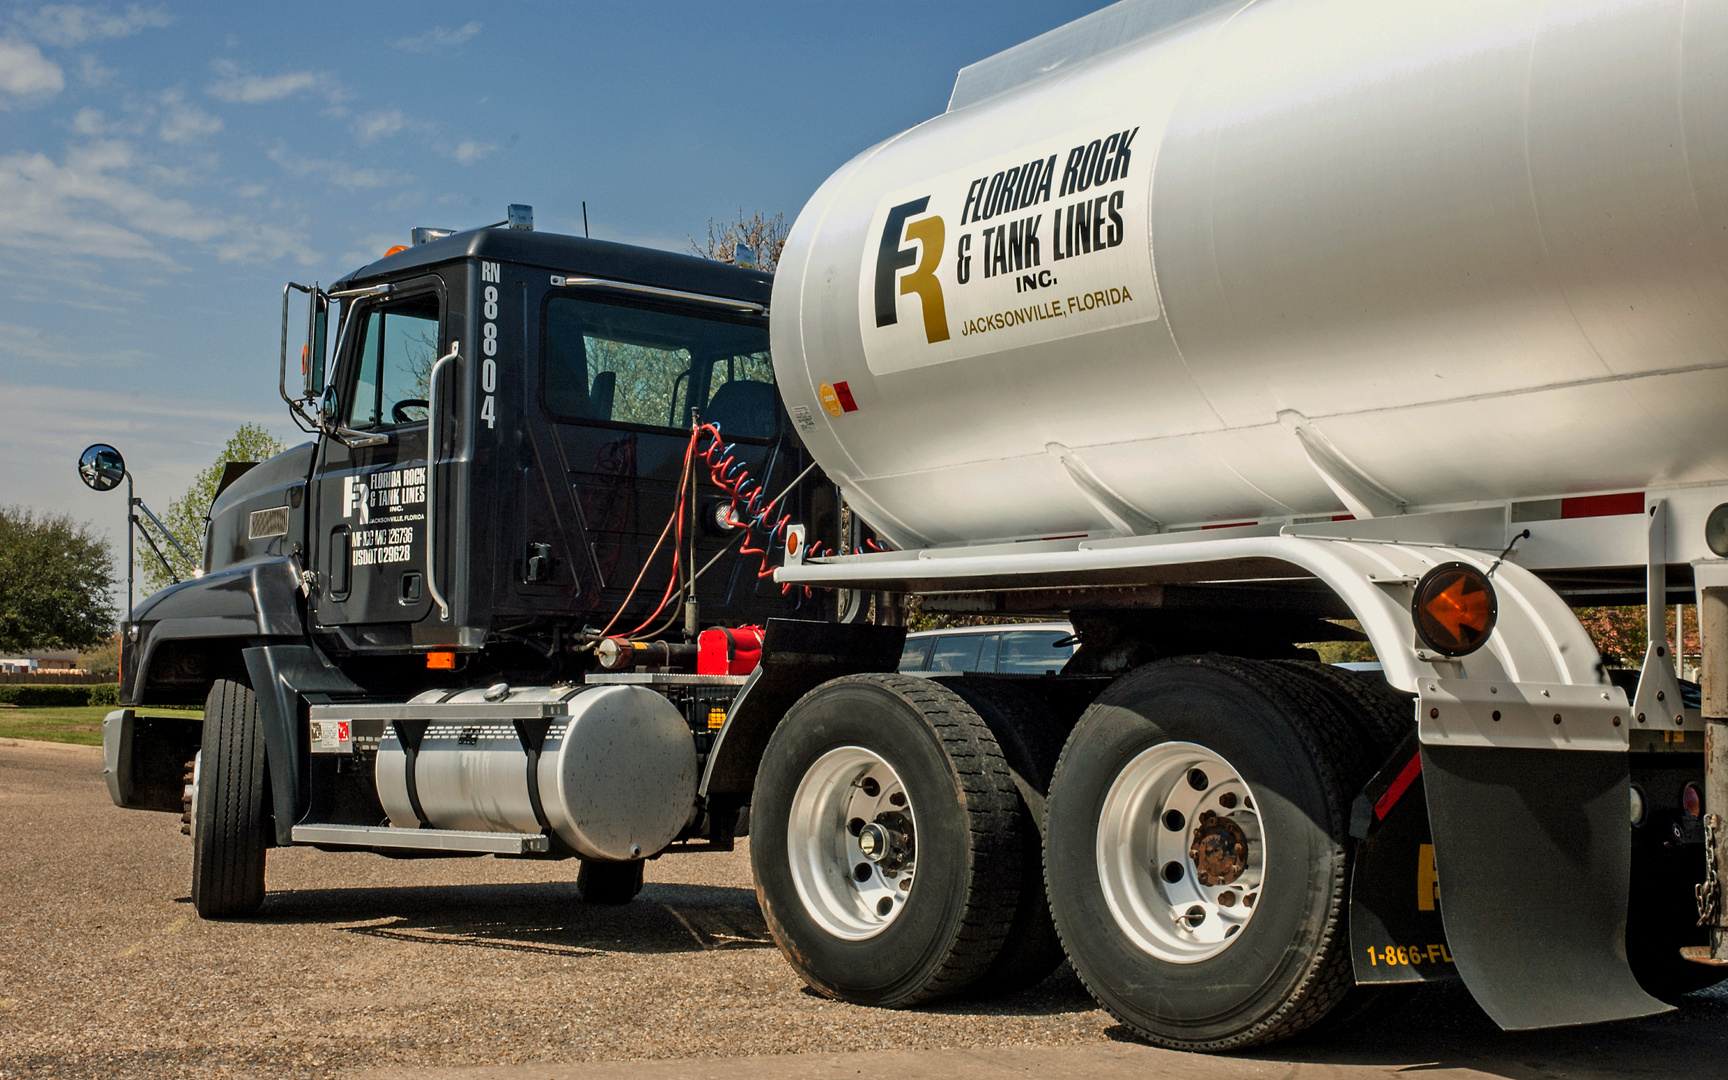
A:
{"points": [[1174, 265]]}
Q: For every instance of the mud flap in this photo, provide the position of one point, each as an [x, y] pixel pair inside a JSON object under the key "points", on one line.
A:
{"points": [[1533, 853]]}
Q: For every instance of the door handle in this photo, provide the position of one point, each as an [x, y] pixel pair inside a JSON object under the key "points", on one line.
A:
{"points": [[433, 451]]}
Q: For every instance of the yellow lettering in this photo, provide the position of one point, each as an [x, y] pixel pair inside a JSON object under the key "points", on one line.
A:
{"points": [[1427, 881], [930, 233]]}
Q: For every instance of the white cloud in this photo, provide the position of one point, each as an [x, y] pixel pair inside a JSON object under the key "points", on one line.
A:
{"points": [[468, 151], [237, 86], [25, 73], [339, 173], [95, 205], [438, 38], [74, 24], [184, 122], [92, 73], [378, 125]]}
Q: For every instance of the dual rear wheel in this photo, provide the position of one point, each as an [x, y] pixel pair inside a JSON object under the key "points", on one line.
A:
{"points": [[1195, 846]]}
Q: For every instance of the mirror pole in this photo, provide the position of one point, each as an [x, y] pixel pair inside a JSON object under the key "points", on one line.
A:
{"points": [[131, 517]]}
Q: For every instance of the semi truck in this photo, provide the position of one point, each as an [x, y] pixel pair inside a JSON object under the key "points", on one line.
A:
{"points": [[1218, 329]]}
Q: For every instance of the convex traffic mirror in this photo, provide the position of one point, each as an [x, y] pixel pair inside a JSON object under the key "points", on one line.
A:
{"points": [[101, 467]]}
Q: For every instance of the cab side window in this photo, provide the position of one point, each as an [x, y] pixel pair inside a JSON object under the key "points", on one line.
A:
{"points": [[624, 363], [397, 345]]}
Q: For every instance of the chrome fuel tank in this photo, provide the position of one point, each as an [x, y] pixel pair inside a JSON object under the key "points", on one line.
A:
{"points": [[615, 775], [1150, 268]]}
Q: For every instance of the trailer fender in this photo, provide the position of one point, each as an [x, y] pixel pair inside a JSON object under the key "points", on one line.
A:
{"points": [[797, 657], [281, 676]]}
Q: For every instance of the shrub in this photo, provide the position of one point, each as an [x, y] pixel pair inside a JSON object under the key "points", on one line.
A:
{"points": [[50, 695]]}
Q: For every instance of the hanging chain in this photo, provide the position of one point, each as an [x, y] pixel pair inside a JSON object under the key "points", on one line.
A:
{"points": [[1709, 892]]}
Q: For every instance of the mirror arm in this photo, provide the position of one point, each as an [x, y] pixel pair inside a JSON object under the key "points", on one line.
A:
{"points": [[351, 438], [187, 555], [163, 559]]}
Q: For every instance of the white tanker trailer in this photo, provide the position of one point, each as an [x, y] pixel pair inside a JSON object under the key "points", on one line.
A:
{"points": [[1203, 323]]}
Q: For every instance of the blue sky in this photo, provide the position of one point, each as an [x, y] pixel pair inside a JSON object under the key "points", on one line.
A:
{"points": [[164, 168]]}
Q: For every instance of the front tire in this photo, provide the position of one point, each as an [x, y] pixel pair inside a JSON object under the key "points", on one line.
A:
{"points": [[230, 820], [885, 840], [1196, 852]]}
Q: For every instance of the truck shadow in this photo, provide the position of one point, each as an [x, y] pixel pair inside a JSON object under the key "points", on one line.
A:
{"points": [[1442, 1028], [546, 918]]}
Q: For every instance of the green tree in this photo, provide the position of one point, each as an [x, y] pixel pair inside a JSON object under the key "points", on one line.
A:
{"points": [[55, 577], [102, 659], [186, 515], [766, 236]]}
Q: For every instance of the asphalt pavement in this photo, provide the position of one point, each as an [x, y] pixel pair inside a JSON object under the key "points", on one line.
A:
{"points": [[490, 969]]}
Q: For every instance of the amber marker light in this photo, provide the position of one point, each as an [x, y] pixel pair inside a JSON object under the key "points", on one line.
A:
{"points": [[1454, 608], [440, 661]]}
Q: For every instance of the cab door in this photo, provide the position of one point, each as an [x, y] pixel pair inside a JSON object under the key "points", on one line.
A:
{"points": [[370, 519]]}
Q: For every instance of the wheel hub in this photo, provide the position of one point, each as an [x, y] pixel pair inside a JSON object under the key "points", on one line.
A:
{"points": [[1181, 852], [850, 841], [1219, 851]]}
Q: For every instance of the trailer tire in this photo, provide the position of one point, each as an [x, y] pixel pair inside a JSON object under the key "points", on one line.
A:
{"points": [[599, 882], [1029, 735], [1382, 716], [231, 817], [943, 810], [1267, 758]]}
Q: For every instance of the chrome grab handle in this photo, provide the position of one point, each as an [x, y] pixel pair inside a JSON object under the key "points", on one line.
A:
{"points": [[433, 451]]}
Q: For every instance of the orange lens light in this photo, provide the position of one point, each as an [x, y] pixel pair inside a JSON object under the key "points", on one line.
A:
{"points": [[397, 250], [440, 661], [1455, 609]]}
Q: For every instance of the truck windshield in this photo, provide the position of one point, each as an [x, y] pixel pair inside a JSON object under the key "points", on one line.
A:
{"points": [[657, 367]]}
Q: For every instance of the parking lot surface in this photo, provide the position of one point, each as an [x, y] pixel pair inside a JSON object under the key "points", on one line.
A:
{"points": [[477, 968]]}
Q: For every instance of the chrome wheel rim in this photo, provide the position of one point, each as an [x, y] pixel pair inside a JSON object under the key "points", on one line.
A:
{"points": [[851, 840], [1181, 852], [189, 795]]}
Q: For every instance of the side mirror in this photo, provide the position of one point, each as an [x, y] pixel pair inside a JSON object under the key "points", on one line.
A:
{"points": [[101, 467], [312, 357]]}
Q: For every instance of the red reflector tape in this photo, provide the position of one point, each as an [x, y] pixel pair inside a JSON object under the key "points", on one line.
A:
{"points": [[847, 404], [1406, 777], [1584, 506], [1230, 525]]}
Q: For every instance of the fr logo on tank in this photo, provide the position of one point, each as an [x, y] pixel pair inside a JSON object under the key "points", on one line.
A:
{"points": [[1034, 245]]}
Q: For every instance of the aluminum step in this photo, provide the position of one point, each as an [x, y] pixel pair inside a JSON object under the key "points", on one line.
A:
{"points": [[372, 836]]}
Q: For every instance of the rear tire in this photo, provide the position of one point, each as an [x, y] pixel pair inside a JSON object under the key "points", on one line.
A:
{"points": [[230, 819], [609, 882], [1266, 818], [1028, 733], [920, 909]]}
